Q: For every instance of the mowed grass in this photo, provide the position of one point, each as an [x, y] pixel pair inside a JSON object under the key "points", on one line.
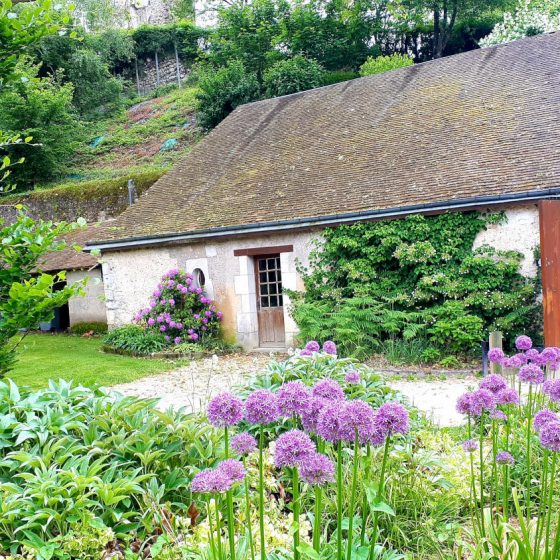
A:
{"points": [[46, 356]]}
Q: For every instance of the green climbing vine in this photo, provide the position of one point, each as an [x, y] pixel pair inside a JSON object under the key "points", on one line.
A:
{"points": [[414, 278]]}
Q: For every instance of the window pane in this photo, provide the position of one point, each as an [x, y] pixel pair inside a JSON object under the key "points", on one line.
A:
{"points": [[272, 289], [264, 301], [264, 289], [279, 276], [272, 276], [262, 276], [262, 264], [273, 301], [280, 301], [271, 264]]}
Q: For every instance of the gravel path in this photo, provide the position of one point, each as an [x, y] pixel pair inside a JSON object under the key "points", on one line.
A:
{"points": [[192, 386]]}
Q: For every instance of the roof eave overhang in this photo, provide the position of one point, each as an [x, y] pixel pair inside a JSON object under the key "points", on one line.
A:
{"points": [[325, 221]]}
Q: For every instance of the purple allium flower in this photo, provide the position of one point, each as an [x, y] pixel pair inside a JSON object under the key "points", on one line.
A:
{"points": [[550, 436], [507, 396], [244, 443], [151, 322], [163, 328], [549, 354], [357, 416], [329, 347], [544, 417], [317, 469], [505, 458], [328, 389], [225, 410], [352, 377], [482, 400], [311, 415], [262, 407], [464, 404], [210, 481], [532, 354], [219, 315], [520, 359], [177, 340], [293, 398], [494, 383], [531, 373], [233, 469], [193, 336], [306, 352], [391, 418], [551, 388], [313, 346], [496, 355], [499, 415], [470, 445], [167, 338], [523, 342], [292, 448], [330, 421]]}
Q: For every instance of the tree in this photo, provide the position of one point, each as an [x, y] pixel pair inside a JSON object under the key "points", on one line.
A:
{"points": [[293, 75], [222, 90], [28, 296], [382, 64]]}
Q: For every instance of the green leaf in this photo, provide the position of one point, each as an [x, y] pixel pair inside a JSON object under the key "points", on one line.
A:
{"points": [[308, 551]]}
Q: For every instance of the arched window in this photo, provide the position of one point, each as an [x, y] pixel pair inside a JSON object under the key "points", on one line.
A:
{"points": [[199, 280]]}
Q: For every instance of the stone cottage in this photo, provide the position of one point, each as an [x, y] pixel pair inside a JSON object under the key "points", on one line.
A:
{"points": [[480, 130]]}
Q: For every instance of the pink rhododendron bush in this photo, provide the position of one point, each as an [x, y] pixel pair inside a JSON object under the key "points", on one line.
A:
{"points": [[179, 310]]}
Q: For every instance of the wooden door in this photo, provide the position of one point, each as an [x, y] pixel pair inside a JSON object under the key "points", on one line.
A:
{"points": [[550, 266], [270, 303]]}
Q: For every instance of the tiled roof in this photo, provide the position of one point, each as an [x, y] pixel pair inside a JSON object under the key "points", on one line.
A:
{"points": [[482, 123], [68, 258]]}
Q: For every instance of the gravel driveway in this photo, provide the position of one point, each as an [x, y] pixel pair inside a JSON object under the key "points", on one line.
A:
{"points": [[192, 386]]}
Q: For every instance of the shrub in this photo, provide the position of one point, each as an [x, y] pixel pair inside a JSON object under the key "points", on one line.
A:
{"points": [[86, 327], [337, 76], [134, 338], [180, 311], [42, 110], [222, 90], [293, 75], [380, 64]]}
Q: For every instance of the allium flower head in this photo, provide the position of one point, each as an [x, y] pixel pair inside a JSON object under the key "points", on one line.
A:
{"points": [[482, 401], [499, 415], [470, 445], [507, 396], [505, 458], [531, 373], [329, 347], [549, 354], [494, 383], [210, 481], [292, 448], [391, 418], [306, 352], [293, 398], [550, 436], [313, 346], [544, 417], [464, 404], [233, 469], [523, 342], [551, 388], [244, 443], [352, 377], [317, 469], [311, 415], [225, 410], [330, 421], [261, 407], [357, 417], [328, 389], [496, 355]]}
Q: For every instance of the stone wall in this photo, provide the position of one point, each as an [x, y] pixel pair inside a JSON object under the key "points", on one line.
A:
{"points": [[131, 276], [520, 232], [91, 306], [148, 76]]}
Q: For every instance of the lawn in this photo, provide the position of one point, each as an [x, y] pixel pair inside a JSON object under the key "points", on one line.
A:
{"points": [[45, 356]]}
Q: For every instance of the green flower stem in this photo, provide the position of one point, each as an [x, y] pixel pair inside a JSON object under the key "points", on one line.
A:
{"points": [[353, 496], [541, 515], [529, 416], [295, 509], [379, 497], [481, 477], [549, 509], [218, 528], [261, 494], [494, 500], [229, 501], [211, 530], [474, 509], [317, 519], [505, 492], [365, 508], [339, 501], [248, 514]]}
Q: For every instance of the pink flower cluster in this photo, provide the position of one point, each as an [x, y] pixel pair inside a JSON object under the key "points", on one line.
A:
{"points": [[527, 356], [180, 310]]}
